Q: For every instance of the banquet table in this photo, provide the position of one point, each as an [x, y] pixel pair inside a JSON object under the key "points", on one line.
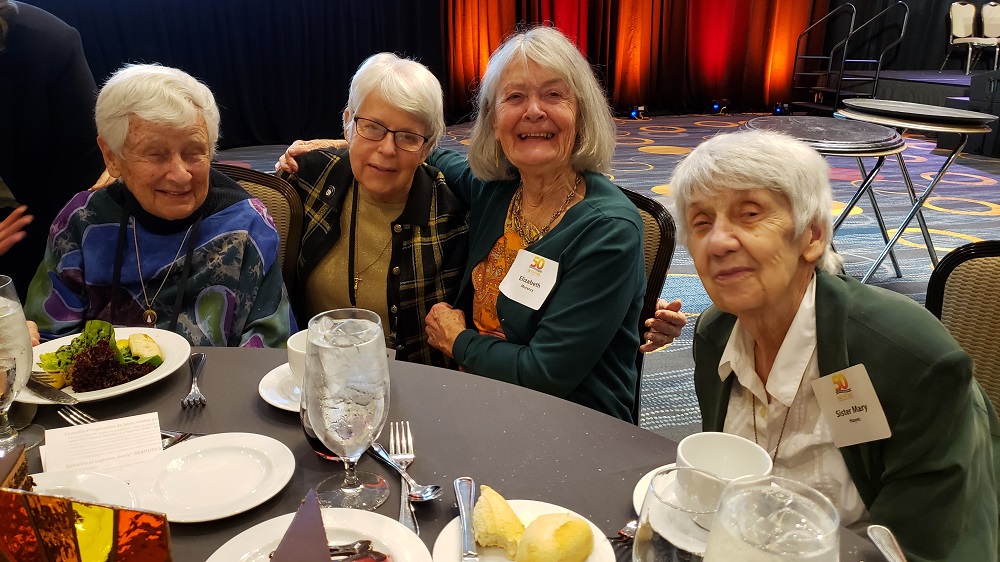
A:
{"points": [[524, 444]]}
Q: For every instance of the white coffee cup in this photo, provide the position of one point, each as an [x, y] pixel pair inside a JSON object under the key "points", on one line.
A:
{"points": [[726, 456], [297, 353]]}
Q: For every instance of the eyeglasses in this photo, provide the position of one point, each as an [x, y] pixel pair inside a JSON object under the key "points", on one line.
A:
{"points": [[405, 140]]}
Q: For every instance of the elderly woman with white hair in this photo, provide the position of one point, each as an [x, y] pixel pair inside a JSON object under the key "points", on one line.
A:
{"points": [[172, 244], [854, 390], [556, 276], [382, 230]]}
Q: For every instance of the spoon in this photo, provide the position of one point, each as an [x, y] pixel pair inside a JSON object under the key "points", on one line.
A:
{"points": [[418, 492], [886, 543]]}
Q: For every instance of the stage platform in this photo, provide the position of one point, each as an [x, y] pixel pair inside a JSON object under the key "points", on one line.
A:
{"points": [[923, 86]]}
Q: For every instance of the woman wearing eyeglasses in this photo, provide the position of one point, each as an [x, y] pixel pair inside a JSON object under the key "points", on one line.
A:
{"points": [[382, 231]]}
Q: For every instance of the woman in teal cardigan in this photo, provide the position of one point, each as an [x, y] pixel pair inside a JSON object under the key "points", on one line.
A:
{"points": [[542, 135], [784, 329]]}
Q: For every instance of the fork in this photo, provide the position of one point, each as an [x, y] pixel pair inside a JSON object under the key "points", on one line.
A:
{"points": [[195, 397], [75, 416], [401, 451]]}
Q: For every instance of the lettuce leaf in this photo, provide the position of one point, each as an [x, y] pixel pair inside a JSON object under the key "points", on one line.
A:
{"points": [[93, 332]]}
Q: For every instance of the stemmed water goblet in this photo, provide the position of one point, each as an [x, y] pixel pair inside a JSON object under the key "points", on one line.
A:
{"points": [[15, 367], [345, 400]]}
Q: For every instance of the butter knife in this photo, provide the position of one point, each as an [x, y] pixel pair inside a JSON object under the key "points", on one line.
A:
{"points": [[465, 493], [49, 392]]}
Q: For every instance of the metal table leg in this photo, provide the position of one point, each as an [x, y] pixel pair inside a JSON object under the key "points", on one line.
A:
{"points": [[920, 213], [917, 204], [880, 220]]}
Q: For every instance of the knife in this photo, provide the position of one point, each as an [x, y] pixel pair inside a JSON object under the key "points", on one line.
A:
{"points": [[465, 493], [49, 392]]}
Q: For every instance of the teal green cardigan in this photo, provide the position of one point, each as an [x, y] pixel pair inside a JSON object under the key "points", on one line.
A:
{"points": [[933, 482], [582, 343]]}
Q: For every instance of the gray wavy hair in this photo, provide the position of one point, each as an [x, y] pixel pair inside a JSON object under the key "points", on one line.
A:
{"points": [[761, 159], [404, 83], [154, 93], [552, 51]]}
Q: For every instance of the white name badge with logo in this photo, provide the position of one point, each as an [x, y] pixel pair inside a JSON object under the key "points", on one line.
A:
{"points": [[851, 407], [530, 279]]}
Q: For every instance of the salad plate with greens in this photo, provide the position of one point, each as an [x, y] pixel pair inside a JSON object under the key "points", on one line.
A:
{"points": [[103, 361]]}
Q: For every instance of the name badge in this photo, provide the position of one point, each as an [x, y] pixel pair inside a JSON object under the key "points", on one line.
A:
{"points": [[850, 406], [530, 279]]}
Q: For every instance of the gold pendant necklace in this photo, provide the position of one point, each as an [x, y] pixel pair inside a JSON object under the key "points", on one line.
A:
{"points": [[149, 315]]}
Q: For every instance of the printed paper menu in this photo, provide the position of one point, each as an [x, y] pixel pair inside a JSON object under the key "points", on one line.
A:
{"points": [[115, 447]]}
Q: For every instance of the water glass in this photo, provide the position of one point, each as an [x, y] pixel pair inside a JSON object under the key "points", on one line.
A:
{"points": [[345, 400], [15, 367], [668, 527], [773, 519]]}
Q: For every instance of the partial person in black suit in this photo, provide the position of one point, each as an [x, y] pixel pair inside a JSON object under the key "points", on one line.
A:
{"points": [[48, 146]]}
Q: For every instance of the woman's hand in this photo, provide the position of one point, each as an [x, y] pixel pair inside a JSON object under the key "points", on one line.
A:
{"points": [[12, 228], [33, 332], [286, 162], [444, 323], [665, 325]]}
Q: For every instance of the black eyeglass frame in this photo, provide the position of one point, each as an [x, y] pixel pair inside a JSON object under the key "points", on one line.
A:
{"points": [[387, 130]]}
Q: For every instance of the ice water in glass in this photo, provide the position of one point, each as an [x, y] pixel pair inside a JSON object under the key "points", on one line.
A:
{"points": [[345, 399], [15, 366], [772, 519]]}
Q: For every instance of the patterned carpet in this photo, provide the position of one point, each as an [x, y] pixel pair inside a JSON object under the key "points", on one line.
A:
{"points": [[965, 207]]}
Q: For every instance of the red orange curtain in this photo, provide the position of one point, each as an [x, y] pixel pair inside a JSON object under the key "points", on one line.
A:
{"points": [[671, 55]]}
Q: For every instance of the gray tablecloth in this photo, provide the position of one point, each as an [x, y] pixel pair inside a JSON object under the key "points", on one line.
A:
{"points": [[525, 444]]}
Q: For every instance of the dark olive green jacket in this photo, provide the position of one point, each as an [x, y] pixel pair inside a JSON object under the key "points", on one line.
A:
{"points": [[933, 482]]}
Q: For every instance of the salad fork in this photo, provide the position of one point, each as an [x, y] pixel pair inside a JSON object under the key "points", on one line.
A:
{"points": [[195, 397], [401, 451]]}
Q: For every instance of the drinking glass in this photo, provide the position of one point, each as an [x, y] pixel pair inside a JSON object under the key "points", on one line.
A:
{"points": [[345, 400], [668, 527], [773, 519], [15, 367]]}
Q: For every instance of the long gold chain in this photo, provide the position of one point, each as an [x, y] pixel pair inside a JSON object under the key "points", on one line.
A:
{"points": [[753, 410], [149, 315], [527, 231]]}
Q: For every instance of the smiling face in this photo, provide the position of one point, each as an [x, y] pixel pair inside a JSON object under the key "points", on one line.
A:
{"points": [[164, 167], [746, 252], [535, 119], [385, 170]]}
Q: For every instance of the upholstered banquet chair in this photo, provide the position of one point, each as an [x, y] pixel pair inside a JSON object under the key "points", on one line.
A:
{"points": [[962, 292], [282, 203], [658, 249], [962, 16]]}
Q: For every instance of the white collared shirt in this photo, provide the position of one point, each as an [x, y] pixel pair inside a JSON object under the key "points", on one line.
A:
{"points": [[806, 452]]}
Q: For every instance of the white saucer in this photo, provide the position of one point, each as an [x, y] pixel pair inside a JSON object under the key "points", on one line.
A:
{"points": [[448, 546], [342, 526], [214, 476], [681, 530], [280, 389], [84, 486]]}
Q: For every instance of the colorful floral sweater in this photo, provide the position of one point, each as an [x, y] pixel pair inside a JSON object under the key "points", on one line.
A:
{"points": [[233, 295]]}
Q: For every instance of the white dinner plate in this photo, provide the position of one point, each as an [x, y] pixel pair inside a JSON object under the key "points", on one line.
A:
{"points": [[84, 486], [448, 546], [214, 476], [342, 526], [175, 349], [682, 533], [280, 389]]}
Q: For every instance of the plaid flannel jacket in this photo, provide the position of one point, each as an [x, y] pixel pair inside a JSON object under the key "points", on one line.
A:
{"points": [[430, 244]]}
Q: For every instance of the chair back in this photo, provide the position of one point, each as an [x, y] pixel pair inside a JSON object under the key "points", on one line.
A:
{"points": [[962, 292], [658, 249], [963, 16], [990, 14], [284, 206]]}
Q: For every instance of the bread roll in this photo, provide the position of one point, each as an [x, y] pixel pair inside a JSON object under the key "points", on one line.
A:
{"points": [[556, 537], [495, 523]]}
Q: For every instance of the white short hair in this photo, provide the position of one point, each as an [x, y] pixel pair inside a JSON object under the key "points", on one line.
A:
{"points": [[154, 93], [403, 83], [761, 160], [553, 52]]}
